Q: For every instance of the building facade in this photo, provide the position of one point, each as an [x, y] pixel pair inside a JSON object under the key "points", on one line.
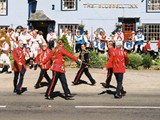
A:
{"points": [[94, 14]]}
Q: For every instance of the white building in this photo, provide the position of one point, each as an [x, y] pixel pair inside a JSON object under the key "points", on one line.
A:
{"points": [[94, 14]]}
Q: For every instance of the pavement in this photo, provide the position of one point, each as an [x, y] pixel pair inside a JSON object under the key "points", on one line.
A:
{"points": [[142, 101]]}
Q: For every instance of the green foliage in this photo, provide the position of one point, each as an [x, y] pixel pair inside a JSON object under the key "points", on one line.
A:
{"points": [[80, 26], [135, 61], [154, 62], [157, 59], [97, 61], [67, 47], [11, 58], [147, 61], [157, 68]]}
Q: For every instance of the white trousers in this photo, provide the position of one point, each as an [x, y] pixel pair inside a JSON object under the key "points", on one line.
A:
{"points": [[4, 60]]}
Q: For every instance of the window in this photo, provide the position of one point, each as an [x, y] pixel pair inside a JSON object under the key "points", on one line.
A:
{"points": [[151, 31], [3, 7], [153, 5], [4, 26], [72, 27], [68, 5], [129, 26]]}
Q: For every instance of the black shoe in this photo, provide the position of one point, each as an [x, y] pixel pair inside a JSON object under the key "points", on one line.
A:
{"points": [[49, 97], [19, 92], [117, 96], [37, 86], [14, 91], [93, 83], [74, 83], [69, 95], [67, 98], [106, 85], [123, 93]]}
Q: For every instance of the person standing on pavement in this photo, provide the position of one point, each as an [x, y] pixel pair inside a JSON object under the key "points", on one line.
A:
{"points": [[139, 40], [58, 70], [4, 57], [109, 65], [79, 41], [44, 60], [119, 35], [119, 60], [19, 67], [84, 56], [51, 39]]}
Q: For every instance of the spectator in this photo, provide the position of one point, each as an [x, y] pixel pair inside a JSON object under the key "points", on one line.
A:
{"points": [[103, 35], [29, 57], [158, 44], [24, 36], [40, 37], [4, 57], [112, 38], [70, 38], [96, 39], [147, 49], [139, 42], [129, 45], [65, 32], [79, 41], [119, 36], [102, 47], [87, 39], [51, 39]]}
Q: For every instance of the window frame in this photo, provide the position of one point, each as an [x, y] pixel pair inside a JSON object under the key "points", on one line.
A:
{"points": [[73, 32], [6, 13], [76, 6], [148, 31], [151, 11]]}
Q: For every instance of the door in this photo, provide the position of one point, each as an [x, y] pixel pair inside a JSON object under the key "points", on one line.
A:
{"points": [[128, 27], [43, 26]]}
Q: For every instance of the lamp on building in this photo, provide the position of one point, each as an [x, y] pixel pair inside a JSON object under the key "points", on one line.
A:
{"points": [[53, 7], [142, 0]]}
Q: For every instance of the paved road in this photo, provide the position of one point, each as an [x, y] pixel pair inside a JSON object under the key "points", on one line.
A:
{"points": [[142, 101]]}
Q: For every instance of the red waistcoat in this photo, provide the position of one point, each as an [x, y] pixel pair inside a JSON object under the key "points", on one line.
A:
{"points": [[58, 60], [19, 57], [110, 53], [147, 46], [44, 58], [119, 60]]}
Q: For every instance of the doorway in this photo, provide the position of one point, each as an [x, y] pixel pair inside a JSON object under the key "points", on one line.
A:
{"points": [[43, 26], [128, 25]]}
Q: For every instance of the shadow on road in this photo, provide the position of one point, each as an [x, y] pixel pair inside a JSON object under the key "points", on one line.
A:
{"points": [[82, 82], [43, 84], [110, 92], [59, 94], [108, 86]]}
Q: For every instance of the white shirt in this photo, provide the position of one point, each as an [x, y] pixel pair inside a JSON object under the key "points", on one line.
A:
{"points": [[139, 37], [70, 39], [119, 36], [5, 46], [40, 38], [51, 36], [24, 38]]}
